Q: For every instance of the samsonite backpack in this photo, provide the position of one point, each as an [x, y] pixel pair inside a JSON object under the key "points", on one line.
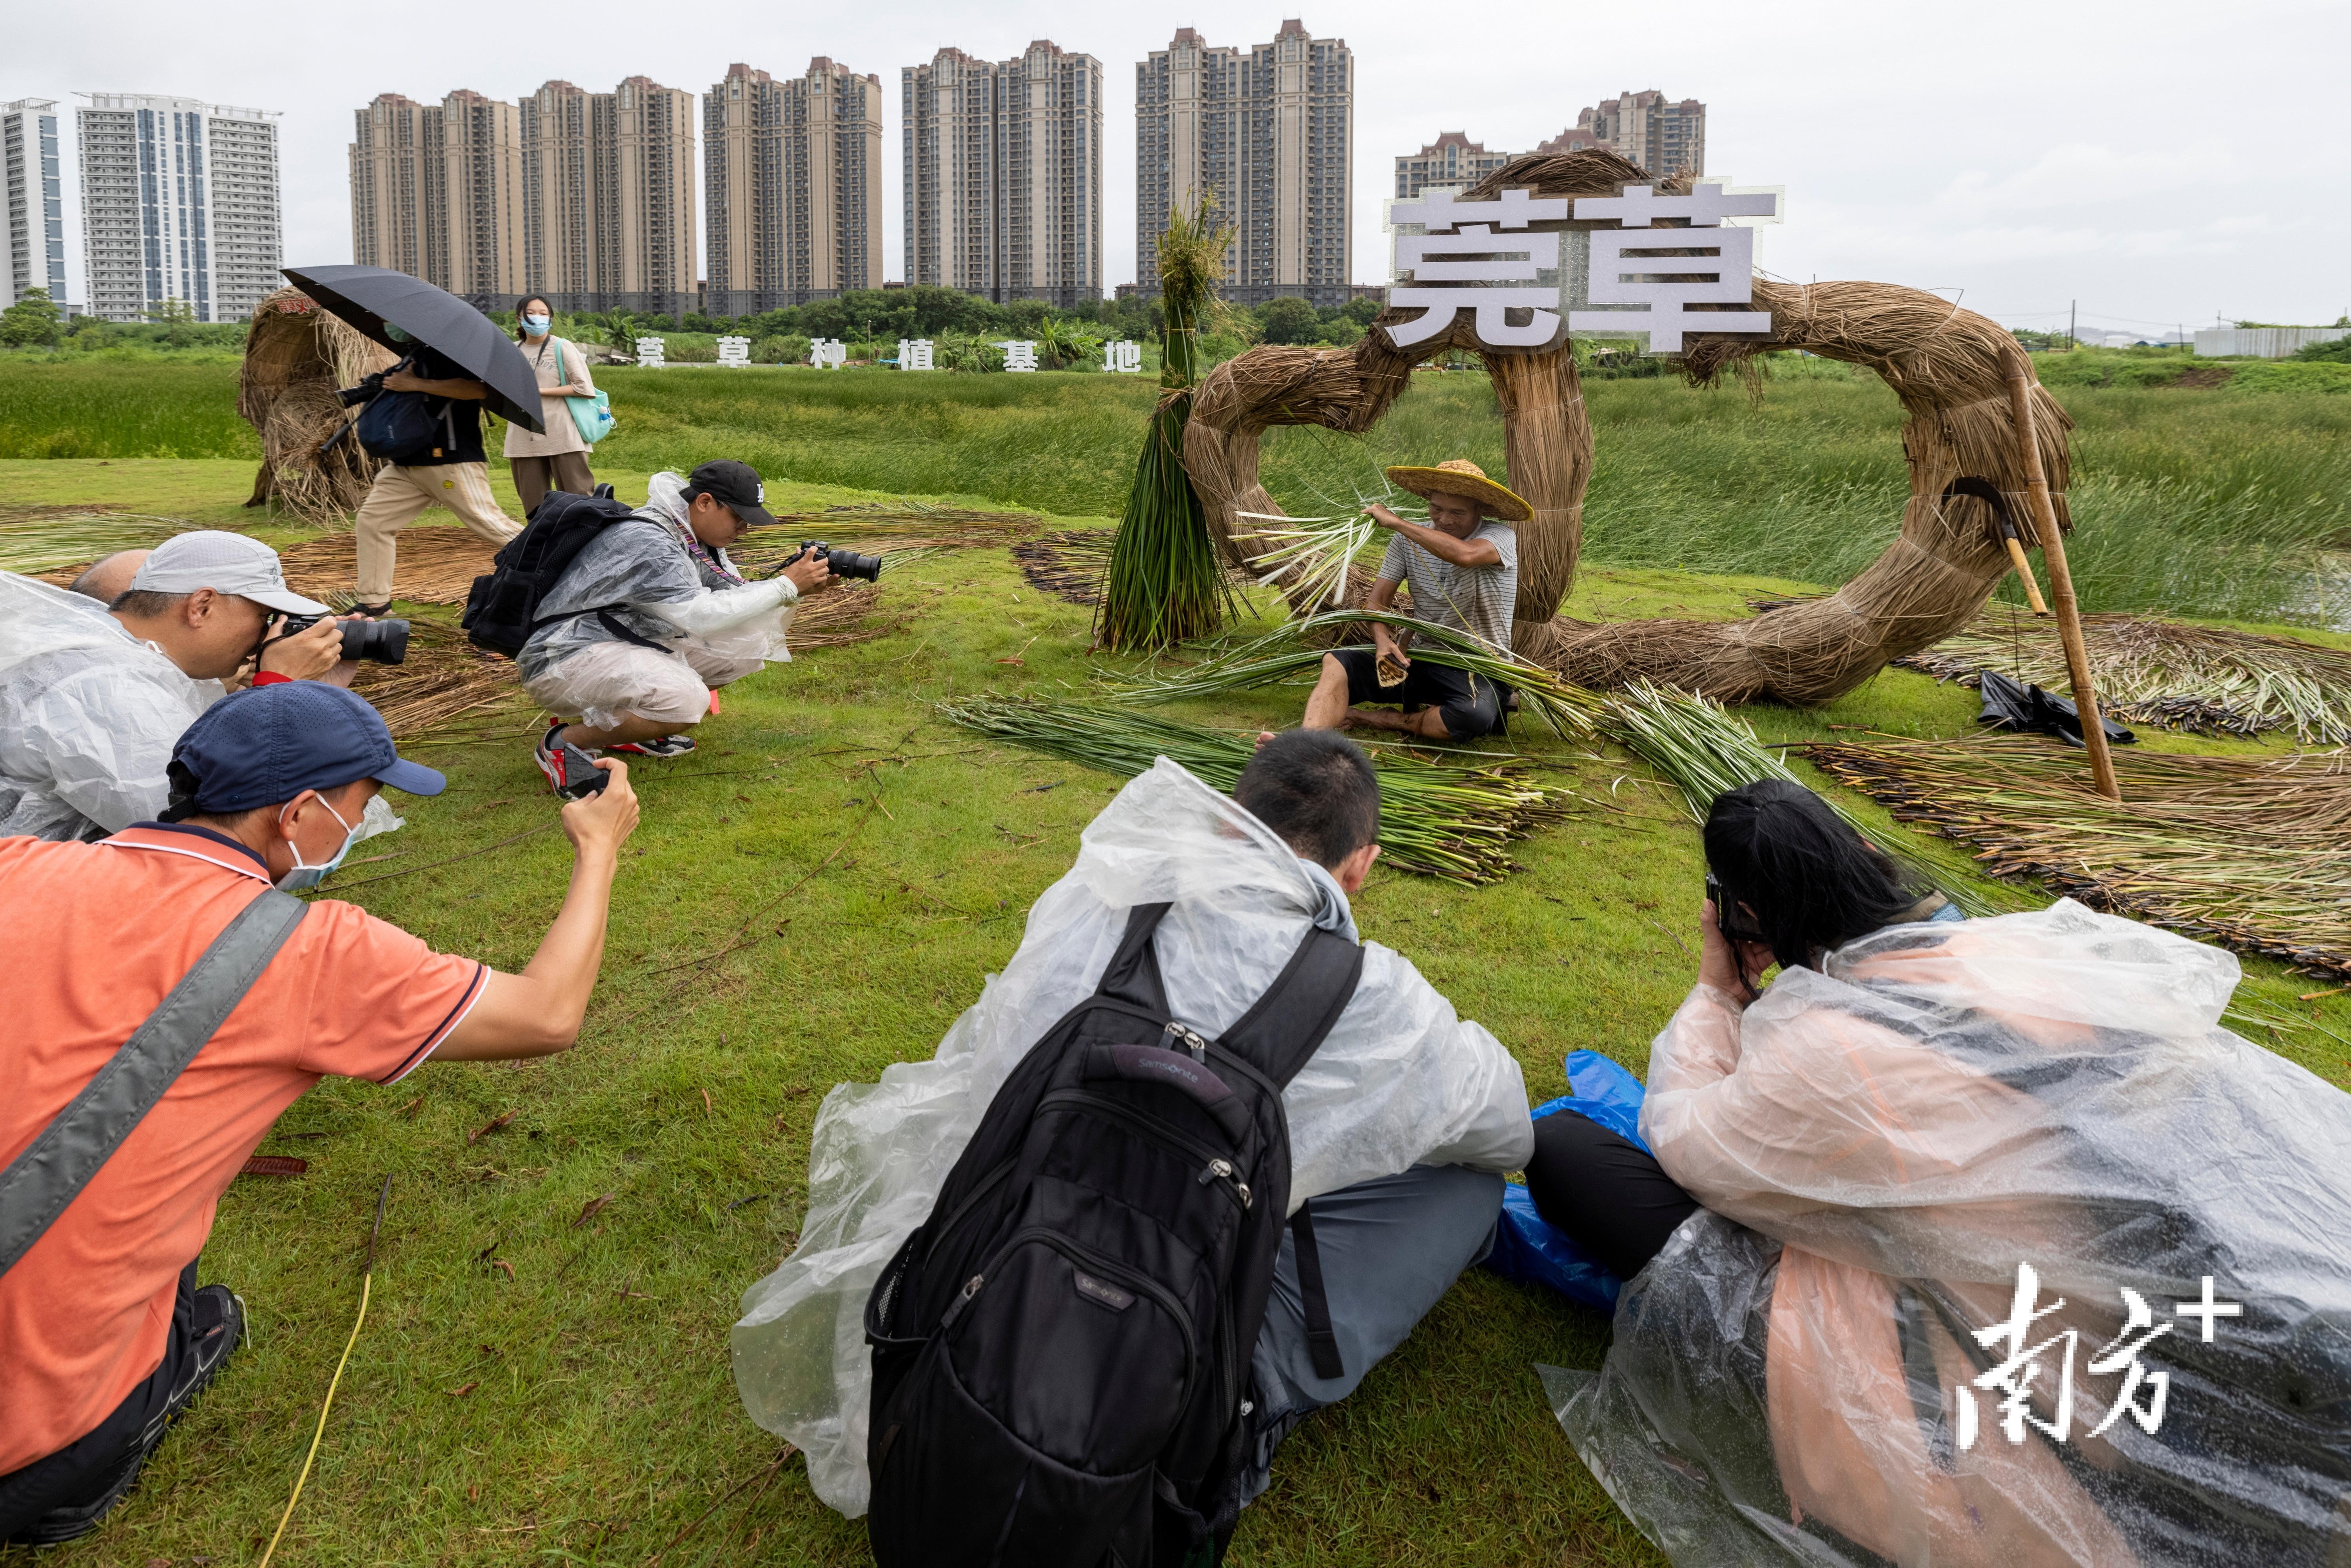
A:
{"points": [[1062, 1351]]}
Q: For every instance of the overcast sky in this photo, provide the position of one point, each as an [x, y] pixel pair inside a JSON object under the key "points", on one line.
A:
{"points": [[2165, 163]]}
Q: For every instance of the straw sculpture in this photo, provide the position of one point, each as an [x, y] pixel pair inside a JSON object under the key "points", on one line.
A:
{"points": [[2206, 680], [1945, 364], [2251, 851], [296, 355]]}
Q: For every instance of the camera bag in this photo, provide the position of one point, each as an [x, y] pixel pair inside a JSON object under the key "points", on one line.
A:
{"points": [[502, 609], [406, 427], [1062, 1351]]}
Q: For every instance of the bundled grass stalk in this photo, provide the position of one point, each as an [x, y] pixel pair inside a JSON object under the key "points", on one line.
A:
{"points": [[1166, 584], [2207, 680], [1313, 566], [1296, 648], [2254, 852], [1704, 752], [1438, 819]]}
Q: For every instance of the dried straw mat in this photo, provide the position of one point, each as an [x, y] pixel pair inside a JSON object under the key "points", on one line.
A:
{"points": [[1459, 477]]}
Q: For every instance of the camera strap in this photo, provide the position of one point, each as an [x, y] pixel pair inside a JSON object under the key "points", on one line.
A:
{"points": [[50, 1174]]}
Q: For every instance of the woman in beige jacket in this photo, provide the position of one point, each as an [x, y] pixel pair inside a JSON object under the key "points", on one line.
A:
{"points": [[558, 459]]}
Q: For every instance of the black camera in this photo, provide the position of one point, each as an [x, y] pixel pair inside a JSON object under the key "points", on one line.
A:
{"points": [[1729, 918], [844, 562], [386, 642], [369, 387]]}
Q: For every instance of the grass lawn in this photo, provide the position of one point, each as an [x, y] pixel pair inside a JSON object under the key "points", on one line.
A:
{"points": [[542, 1380]]}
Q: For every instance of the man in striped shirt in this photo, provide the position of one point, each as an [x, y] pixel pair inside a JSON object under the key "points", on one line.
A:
{"points": [[1463, 566]]}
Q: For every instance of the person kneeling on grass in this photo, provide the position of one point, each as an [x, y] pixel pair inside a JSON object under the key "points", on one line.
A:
{"points": [[1400, 1123], [651, 614], [109, 1337], [1465, 575]]}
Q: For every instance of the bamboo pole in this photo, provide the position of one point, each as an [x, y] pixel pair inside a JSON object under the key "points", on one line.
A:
{"points": [[2060, 578], [2023, 569]]}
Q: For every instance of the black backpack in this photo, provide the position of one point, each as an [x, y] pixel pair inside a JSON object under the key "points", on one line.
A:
{"points": [[1062, 1351], [406, 427], [502, 609]]}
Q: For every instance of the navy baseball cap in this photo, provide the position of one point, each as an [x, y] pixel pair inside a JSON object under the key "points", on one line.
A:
{"points": [[268, 744]]}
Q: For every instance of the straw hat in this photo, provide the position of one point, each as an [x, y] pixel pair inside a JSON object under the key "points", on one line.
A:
{"points": [[1459, 477]]}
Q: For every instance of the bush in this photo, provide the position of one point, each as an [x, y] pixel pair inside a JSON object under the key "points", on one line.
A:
{"points": [[1288, 320], [780, 349], [31, 323], [2286, 376], [2337, 352]]}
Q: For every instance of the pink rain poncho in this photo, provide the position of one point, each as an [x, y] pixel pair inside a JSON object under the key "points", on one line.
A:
{"points": [[1821, 1370]]}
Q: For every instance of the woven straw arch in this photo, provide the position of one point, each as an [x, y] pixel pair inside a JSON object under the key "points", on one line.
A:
{"points": [[296, 355], [1947, 365]]}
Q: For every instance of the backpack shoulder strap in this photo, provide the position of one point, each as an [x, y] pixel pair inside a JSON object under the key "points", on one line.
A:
{"points": [[50, 1174], [1287, 1024], [1132, 973]]}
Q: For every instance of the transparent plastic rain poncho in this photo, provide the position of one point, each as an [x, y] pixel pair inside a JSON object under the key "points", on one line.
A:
{"points": [[697, 606], [87, 716], [1400, 1081], [1881, 1144]]}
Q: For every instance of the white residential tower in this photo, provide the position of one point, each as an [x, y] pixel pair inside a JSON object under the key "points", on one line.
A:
{"points": [[32, 188], [179, 201]]}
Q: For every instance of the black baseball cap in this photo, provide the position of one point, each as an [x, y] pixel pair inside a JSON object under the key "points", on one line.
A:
{"points": [[268, 744], [734, 485]]}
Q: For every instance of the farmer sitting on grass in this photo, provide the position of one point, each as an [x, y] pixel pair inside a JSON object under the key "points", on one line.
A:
{"points": [[1399, 1123], [1465, 575]]}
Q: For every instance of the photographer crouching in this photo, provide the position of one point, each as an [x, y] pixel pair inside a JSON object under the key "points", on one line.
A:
{"points": [[643, 617], [92, 696]]}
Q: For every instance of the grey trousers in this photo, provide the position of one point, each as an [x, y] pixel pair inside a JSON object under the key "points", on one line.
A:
{"points": [[1390, 1249]]}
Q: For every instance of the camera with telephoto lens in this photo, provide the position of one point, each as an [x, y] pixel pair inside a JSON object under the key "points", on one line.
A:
{"points": [[844, 562], [386, 642], [352, 397]]}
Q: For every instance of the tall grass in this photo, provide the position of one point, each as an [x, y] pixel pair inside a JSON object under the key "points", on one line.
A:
{"points": [[2207, 502]]}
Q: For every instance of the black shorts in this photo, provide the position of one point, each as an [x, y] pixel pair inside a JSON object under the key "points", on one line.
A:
{"points": [[1470, 705]]}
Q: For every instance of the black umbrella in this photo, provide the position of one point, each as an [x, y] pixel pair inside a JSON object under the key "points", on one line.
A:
{"points": [[368, 297]]}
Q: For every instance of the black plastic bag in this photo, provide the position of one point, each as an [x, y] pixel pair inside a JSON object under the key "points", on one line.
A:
{"points": [[2011, 705]]}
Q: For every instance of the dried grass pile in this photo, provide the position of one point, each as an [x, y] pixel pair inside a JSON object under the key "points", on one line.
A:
{"points": [[2206, 680], [2254, 853], [57, 544], [444, 677], [1068, 565], [437, 566], [1949, 367], [296, 355]]}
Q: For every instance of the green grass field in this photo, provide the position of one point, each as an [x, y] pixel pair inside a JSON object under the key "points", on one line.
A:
{"points": [[874, 863]]}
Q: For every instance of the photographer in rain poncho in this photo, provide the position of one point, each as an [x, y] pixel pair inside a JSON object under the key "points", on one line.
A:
{"points": [[651, 615], [1400, 1122]]}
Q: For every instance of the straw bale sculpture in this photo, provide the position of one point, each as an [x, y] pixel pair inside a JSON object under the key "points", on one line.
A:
{"points": [[296, 355], [1948, 366]]}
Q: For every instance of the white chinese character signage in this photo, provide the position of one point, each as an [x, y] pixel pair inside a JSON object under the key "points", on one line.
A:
{"points": [[2019, 1372], [734, 350], [914, 354], [1123, 358], [828, 353], [649, 352], [1529, 270], [1020, 355]]}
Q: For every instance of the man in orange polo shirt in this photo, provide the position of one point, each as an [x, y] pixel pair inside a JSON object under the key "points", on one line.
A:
{"points": [[108, 1336]]}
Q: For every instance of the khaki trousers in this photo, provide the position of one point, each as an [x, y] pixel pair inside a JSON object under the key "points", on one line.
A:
{"points": [[399, 497], [535, 477]]}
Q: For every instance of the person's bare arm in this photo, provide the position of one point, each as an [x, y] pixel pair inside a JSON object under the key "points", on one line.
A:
{"points": [[539, 1011], [1471, 551], [463, 390]]}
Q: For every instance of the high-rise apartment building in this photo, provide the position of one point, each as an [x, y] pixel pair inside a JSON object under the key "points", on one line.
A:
{"points": [[586, 198], [792, 176], [1003, 171], [33, 187], [1451, 160], [179, 201], [1642, 128], [1270, 133]]}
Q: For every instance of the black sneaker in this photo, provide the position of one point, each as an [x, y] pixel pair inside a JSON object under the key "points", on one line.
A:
{"points": [[219, 1330]]}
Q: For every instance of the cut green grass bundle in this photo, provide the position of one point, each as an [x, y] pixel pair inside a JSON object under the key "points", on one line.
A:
{"points": [[1166, 584], [2254, 852], [2207, 680], [1295, 648], [1314, 564], [1439, 819], [1704, 751]]}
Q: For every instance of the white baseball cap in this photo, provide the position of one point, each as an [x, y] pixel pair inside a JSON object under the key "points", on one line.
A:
{"points": [[225, 563]]}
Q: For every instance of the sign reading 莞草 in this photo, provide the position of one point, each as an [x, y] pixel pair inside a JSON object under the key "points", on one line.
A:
{"points": [[1531, 271]]}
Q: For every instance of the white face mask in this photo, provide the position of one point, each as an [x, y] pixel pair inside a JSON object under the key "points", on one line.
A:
{"points": [[535, 325], [304, 876]]}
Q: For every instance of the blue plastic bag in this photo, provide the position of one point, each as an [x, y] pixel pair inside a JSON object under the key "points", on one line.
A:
{"points": [[1531, 1251]]}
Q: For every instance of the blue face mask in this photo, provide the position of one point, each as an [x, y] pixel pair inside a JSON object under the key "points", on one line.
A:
{"points": [[535, 325], [304, 877], [395, 334]]}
